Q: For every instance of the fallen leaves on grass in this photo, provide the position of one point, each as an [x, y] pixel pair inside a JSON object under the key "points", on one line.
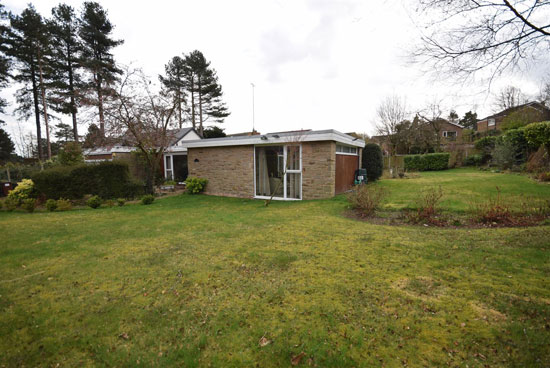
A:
{"points": [[124, 336], [297, 358], [264, 341]]}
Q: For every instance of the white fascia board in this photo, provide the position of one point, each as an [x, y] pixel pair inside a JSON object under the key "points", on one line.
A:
{"points": [[325, 135], [176, 149]]}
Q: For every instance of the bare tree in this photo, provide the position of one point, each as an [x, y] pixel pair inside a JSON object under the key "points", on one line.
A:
{"points": [[432, 117], [390, 113], [463, 37], [544, 95], [508, 97], [145, 117]]}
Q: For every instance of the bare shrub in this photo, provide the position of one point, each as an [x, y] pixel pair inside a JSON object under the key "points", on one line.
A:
{"points": [[427, 206], [494, 212], [367, 198], [538, 161]]}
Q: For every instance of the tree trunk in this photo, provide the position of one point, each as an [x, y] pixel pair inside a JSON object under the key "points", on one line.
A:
{"points": [[193, 103], [36, 113], [179, 109], [73, 103], [100, 106], [200, 108], [44, 106]]}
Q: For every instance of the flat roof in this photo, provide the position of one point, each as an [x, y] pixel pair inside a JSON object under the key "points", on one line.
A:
{"points": [[274, 138]]}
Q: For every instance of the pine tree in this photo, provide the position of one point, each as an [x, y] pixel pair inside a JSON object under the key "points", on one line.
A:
{"points": [[173, 85], [29, 45], [201, 82], [64, 133], [67, 49], [469, 120], [5, 62], [97, 59]]}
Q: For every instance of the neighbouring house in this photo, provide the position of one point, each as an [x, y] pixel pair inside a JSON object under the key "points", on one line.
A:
{"points": [[173, 165], [289, 165], [532, 109], [451, 131], [107, 153]]}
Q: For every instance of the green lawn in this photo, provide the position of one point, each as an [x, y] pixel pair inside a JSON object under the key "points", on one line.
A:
{"points": [[463, 188], [198, 281]]}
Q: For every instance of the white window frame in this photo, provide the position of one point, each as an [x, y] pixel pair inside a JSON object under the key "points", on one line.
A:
{"points": [[491, 122], [347, 153], [284, 197], [171, 177], [446, 134]]}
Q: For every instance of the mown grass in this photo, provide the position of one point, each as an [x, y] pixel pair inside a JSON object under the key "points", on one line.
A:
{"points": [[198, 281], [464, 188]]}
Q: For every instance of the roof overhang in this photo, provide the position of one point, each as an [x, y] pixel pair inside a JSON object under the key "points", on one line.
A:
{"points": [[274, 138]]}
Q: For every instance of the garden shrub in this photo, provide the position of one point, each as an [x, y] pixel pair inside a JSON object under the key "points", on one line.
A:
{"points": [[11, 204], [195, 185], [51, 205], [492, 212], [427, 162], [504, 154], [106, 179], [486, 145], [64, 205], [120, 202], [373, 161], [71, 154], [544, 176], [28, 204], [110, 203], [94, 202], [538, 134], [1, 204], [147, 199], [25, 189], [539, 161], [366, 198], [427, 206], [473, 160]]}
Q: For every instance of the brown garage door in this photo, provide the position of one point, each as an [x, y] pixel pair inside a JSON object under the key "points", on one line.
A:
{"points": [[345, 172]]}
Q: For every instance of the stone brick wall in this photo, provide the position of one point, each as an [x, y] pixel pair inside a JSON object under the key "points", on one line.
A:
{"points": [[229, 170], [318, 169]]}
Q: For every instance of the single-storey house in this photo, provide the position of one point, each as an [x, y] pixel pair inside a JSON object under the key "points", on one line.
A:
{"points": [[174, 164], [451, 131], [291, 165], [534, 111]]}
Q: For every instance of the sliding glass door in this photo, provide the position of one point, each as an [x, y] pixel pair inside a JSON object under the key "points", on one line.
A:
{"points": [[278, 171]]}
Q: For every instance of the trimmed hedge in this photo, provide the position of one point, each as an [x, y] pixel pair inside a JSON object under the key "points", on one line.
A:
{"points": [[106, 180], [427, 162]]}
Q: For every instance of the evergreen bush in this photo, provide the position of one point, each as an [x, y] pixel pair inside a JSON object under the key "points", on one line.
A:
{"points": [[147, 199], [51, 205], [195, 185], [373, 161], [94, 202]]}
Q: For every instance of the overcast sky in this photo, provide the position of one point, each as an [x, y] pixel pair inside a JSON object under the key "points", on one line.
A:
{"points": [[316, 64]]}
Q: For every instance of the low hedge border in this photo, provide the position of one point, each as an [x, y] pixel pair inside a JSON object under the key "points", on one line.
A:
{"points": [[427, 162], [106, 180]]}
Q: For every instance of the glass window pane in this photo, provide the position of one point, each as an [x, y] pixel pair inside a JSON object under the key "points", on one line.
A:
{"points": [[293, 185], [293, 157], [168, 163], [269, 171]]}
